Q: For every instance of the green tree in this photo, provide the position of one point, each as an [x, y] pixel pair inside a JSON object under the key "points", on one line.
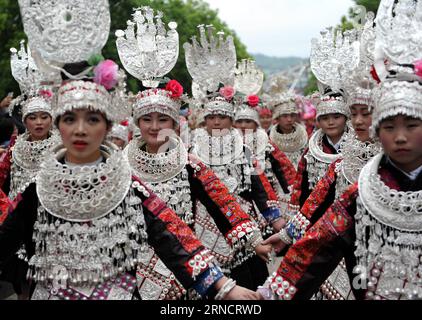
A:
{"points": [[187, 13], [370, 5], [11, 33]]}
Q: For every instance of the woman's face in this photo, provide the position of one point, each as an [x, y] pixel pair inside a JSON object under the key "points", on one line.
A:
{"points": [[246, 125], [38, 125], [361, 121], [215, 123], [266, 122], [401, 138], [151, 125], [333, 125], [83, 131], [286, 122], [118, 142]]}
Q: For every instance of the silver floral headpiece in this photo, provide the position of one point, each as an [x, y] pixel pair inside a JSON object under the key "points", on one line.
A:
{"points": [[80, 94], [245, 112], [120, 131], [398, 40], [211, 62], [27, 73], [334, 55], [65, 31], [248, 78], [150, 52], [398, 32]]}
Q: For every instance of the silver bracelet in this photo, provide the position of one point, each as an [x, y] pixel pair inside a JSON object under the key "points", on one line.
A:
{"points": [[255, 240], [285, 237], [227, 287]]}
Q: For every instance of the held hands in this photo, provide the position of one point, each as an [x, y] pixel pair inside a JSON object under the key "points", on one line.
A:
{"points": [[263, 251], [240, 293], [228, 290], [276, 243]]}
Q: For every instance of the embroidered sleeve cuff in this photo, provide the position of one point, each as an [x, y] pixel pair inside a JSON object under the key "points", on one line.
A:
{"points": [[200, 263], [206, 281], [241, 234], [272, 214], [297, 227], [282, 288]]}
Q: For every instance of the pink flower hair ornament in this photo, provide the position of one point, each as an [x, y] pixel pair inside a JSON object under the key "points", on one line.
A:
{"points": [[227, 93], [418, 68], [106, 74]]}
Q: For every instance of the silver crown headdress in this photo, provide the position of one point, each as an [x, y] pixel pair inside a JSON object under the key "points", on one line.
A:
{"points": [[78, 94], [248, 78], [219, 106], [359, 82], [248, 81], [245, 112], [330, 104], [120, 131], [31, 81], [399, 25], [211, 62], [148, 54], [25, 70], [333, 56], [65, 31], [36, 104]]}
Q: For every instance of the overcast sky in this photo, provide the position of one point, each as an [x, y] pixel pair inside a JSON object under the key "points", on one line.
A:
{"points": [[280, 27]]}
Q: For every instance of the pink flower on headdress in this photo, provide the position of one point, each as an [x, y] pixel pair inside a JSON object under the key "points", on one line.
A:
{"points": [[253, 101], [46, 94], [227, 92], [106, 74], [418, 68], [125, 123], [175, 88], [309, 111]]}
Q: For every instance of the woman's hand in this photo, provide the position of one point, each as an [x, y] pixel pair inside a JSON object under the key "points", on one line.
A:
{"points": [[240, 293], [264, 251], [276, 243]]}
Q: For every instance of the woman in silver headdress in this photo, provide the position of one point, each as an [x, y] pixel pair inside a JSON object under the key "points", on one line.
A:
{"points": [[160, 159], [86, 222], [20, 164], [377, 221]]}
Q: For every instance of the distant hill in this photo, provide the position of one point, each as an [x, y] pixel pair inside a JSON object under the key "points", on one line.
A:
{"points": [[272, 65]]}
